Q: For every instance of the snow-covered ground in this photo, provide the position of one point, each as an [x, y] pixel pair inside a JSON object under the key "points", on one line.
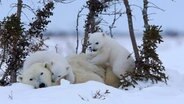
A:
{"points": [[170, 52]]}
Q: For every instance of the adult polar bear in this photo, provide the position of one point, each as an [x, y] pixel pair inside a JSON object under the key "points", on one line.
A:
{"points": [[55, 62], [105, 50], [80, 69], [85, 71], [36, 75]]}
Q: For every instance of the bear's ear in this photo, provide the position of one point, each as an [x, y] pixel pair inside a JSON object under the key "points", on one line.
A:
{"points": [[20, 78], [46, 65]]}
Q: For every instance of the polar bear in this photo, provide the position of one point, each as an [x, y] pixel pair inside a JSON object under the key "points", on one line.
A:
{"points": [[110, 78], [103, 50], [36, 75], [84, 71], [55, 62]]}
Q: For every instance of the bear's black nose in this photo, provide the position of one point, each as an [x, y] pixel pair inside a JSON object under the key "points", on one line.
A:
{"points": [[42, 85], [94, 50]]}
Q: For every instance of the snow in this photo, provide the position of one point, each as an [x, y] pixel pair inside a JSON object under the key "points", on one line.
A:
{"points": [[91, 92]]}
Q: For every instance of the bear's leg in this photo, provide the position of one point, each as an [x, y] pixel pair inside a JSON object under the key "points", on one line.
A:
{"points": [[118, 69], [99, 59], [111, 78], [70, 77]]}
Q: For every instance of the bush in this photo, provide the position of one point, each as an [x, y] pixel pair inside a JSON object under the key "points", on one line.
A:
{"points": [[149, 66]]}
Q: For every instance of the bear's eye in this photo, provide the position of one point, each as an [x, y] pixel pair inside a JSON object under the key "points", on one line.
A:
{"points": [[97, 43], [31, 79], [41, 73], [59, 76], [52, 73]]}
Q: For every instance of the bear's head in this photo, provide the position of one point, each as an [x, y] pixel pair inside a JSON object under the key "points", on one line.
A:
{"points": [[61, 70], [38, 75], [96, 41]]}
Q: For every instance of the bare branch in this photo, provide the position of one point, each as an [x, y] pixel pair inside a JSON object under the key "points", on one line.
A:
{"points": [[65, 1], [131, 29], [109, 14], [26, 16], [155, 6], [29, 8], [145, 13], [77, 30], [137, 6], [114, 21]]}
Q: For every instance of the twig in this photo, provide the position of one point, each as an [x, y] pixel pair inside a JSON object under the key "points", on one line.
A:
{"points": [[64, 1], [56, 48], [137, 6], [114, 13], [114, 21], [29, 8], [155, 6], [26, 16], [83, 98], [11, 95]]}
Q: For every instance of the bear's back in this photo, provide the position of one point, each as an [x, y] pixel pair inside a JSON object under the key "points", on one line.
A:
{"points": [[42, 57]]}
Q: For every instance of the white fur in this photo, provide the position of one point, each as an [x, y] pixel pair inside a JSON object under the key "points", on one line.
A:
{"points": [[104, 50], [36, 75], [57, 64], [85, 71], [110, 78]]}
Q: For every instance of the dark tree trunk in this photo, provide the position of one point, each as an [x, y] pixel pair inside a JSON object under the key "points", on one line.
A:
{"points": [[19, 8], [131, 29], [90, 23], [145, 13]]}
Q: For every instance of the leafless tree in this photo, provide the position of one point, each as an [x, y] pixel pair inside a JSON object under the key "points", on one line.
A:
{"points": [[77, 30], [131, 29]]}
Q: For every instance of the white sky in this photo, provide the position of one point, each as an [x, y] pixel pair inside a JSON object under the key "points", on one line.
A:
{"points": [[65, 15]]}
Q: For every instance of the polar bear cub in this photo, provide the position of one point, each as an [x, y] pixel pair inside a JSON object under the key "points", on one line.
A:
{"points": [[36, 75], [56, 63], [103, 50]]}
